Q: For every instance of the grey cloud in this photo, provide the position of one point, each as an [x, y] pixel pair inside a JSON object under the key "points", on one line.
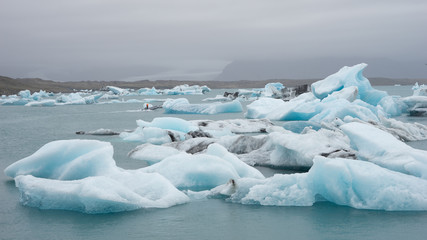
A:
{"points": [[71, 40]]}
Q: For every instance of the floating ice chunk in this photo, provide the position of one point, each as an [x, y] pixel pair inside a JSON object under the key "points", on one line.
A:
{"points": [[117, 90], [152, 135], [382, 148], [306, 107], [393, 106], [346, 77], [357, 184], [66, 160], [419, 90], [14, 100], [169, 123], [77, 99], [272, 90], [81, 175], [235, 125], [185, 89], [217, 98], [203, 171], [100, 132], [364, 185], [42, 103], [160, 130], [24, 93], [182, 105], [148, 91], [100, 194], [152, 153], [417, 105], [293, 150]]}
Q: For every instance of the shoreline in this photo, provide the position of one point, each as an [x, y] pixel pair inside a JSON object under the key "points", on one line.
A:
{"points": [[10, 86]]}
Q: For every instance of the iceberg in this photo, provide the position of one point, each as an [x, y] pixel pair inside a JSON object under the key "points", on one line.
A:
{"points": [[346, 77], [345, 93], [358, 184], [152, 135], [100, 194], [383, 149], [160, 130], [169, 123], [183, 106], [417, 103], [117, 90], [81, 175], [148, 91], [185, 89], [66, 160], [42, 103]]}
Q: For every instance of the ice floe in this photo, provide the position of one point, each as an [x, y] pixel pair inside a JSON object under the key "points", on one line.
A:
{"points": [[357, 184], [81, 175], [182, 105]]}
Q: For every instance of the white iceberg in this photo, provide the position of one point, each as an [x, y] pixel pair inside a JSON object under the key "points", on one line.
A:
{"points": [[159, 131], [100, 194], [183, 106], [185, 89], [117, 90]]}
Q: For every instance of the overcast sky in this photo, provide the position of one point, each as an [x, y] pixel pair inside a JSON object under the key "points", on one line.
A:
{"points": [[196, 39]]}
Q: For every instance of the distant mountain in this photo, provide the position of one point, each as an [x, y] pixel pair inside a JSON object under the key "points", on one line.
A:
{"points": [[319, 68]]}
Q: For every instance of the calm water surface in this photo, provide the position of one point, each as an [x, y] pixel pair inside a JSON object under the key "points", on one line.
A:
{"points": [[23, 130]]}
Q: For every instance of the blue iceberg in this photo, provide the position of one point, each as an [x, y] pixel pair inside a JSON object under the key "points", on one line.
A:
{"points": [[81, 175], [183, 106], [345, 93], [357, 184]]}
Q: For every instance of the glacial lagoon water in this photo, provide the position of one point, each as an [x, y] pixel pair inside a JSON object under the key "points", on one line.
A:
{"points": [[23, 130]]}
